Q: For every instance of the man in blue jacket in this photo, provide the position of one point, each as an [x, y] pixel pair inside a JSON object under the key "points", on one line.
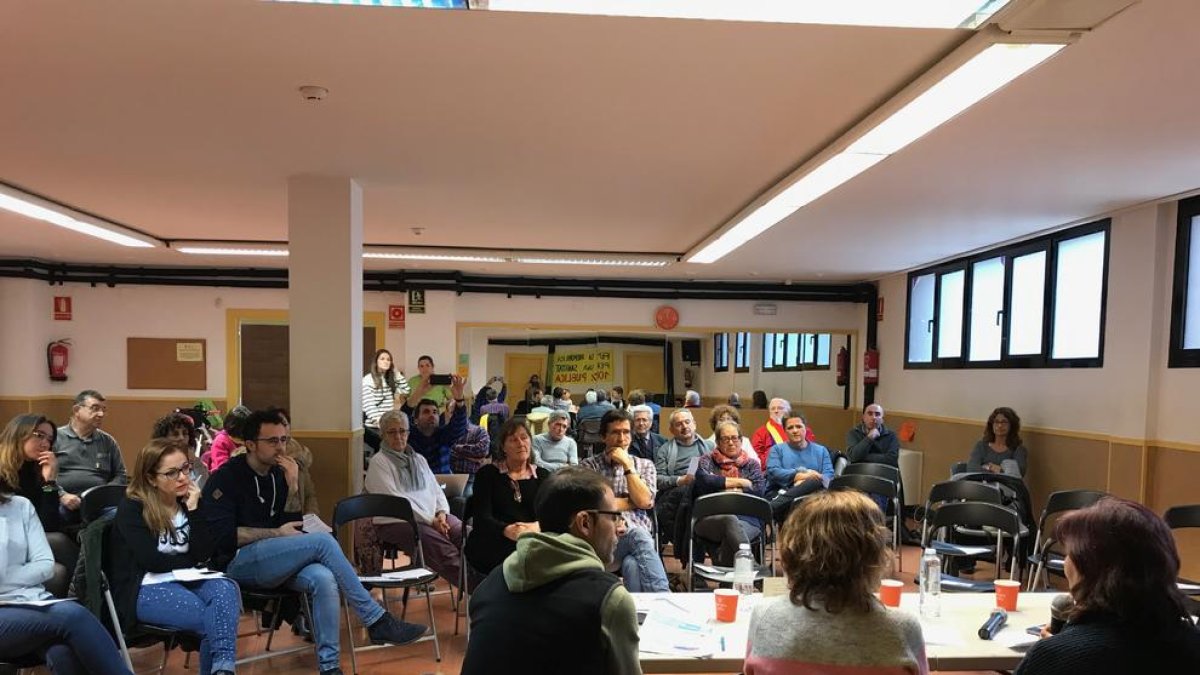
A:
{"points": [[433, 439]]}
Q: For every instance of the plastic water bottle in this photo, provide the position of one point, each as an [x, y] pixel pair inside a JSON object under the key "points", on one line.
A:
{"points": [[743, 570], [930, 581]]}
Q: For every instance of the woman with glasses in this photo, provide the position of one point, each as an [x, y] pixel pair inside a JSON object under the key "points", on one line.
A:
{"points": [[27, 463], [729, 467], [505, 492], [159, 530], [727, 413]]}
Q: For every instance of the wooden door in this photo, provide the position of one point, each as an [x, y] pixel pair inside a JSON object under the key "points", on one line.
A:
{"points": [[644, 370], [266, 378], [517, 369]]}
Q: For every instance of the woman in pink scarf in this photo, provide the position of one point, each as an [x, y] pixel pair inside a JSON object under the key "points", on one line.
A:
{"points": [[729, 468]]}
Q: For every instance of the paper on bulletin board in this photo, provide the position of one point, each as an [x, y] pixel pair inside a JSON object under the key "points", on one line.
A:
{"points": [[189, 352]]}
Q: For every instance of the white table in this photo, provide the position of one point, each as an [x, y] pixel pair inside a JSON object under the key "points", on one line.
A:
{"points": [[952, 642]]}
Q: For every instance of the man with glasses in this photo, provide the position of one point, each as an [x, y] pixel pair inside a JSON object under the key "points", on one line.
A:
{"points": [[551, 607], [397, 470], [87, 456], [253, 509], [729, 469]]}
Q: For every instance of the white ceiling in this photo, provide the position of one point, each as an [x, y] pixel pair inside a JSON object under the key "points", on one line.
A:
{"points": [[182, 119]]}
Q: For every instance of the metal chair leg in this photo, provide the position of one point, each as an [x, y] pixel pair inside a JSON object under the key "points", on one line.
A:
{"points": [[350, 634]]}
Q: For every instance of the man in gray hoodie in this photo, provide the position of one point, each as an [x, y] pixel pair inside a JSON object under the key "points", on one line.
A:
{"points": [[551, 608]]}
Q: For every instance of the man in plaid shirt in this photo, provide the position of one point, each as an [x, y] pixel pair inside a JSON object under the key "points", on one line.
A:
{"points": [[633, 483]]}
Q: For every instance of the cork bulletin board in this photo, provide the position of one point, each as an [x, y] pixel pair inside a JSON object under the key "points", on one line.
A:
{"points": [[166, 363]]}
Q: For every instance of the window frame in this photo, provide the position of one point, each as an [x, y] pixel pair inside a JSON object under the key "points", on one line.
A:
{"points": [[741, 352], [1043, 359], [720, 352], [801, 365], [1177, 355]]}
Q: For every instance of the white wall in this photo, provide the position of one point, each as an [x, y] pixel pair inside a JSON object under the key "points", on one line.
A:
{"points": [[1133, 395]]}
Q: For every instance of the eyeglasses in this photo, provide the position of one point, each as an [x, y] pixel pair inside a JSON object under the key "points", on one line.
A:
{"points": [[616, 516], [275, 440], [729, 439], [40, 435], [173, 474]]}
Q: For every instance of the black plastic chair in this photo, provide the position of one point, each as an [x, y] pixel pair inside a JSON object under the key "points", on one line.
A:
{"points": [[588, 437], [732, 504], [1004, 520], [879, 486], [957, 468], [1044, 557], [956, 491], [389, 506], [96, 500], [1180, 517], [21, 664], [274, 602], [887, 471]]}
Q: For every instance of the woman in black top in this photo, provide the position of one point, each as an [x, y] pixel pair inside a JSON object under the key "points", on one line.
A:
{"points": [[158, 538], [1129, 616], [502, 505], [27, 462]]}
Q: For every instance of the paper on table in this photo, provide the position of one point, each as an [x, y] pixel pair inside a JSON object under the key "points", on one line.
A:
{"points": [[1015, 638], [671, 632], [313, 523], [941, 635], [726, 575]]}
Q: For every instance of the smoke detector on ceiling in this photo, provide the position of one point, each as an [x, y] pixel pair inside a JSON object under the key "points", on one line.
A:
{"points": [[313, 93]]}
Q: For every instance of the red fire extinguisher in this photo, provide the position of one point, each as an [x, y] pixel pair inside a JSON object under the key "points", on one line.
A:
{"points": [[871, 366], [57, 354], [843, 367]]}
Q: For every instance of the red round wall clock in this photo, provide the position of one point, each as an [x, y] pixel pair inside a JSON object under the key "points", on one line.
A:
{"points": [[666, 317]]}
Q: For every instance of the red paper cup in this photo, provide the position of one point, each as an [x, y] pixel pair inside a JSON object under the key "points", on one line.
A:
{"points": [[727, 601], [889, 592], [1006, 594]]}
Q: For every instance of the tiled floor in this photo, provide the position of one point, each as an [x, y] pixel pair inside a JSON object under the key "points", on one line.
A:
{"points": [[409, 660]]}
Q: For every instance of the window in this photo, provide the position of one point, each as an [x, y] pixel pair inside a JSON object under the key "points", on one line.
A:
{"points": [[720, 352], [1185, 297], [795, 351], [1036, 304], [741, 353]]}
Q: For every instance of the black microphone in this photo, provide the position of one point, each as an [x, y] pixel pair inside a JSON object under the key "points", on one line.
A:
{"points": [[995, 622], [1060, 607]]}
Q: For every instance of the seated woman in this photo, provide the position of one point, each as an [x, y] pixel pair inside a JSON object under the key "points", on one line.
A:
{"points": [[728, 413], [158, 530], [380, 389], [228, 441], [1129, 616], [505, 492], [65, 635], [27, 462], [1000, 450], [730, 467], [181, 430], [834, 553]]}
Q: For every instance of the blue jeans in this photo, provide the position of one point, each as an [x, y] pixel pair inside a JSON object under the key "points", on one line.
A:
{"points": [[207, 608], [65, 634], [641, 569], [312, 564]]}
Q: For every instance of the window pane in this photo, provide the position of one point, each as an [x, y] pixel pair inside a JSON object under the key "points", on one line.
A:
{"points": [[823, 349], [920, 314], [1078, 291], [1028, 300], [768, 358], [950, 315], [1191, 313], [987, 301], [793, 350], [742, 352], [807, 348]]}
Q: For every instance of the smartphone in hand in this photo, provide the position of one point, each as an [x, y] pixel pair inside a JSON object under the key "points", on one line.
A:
{"points": [[440, 379]]}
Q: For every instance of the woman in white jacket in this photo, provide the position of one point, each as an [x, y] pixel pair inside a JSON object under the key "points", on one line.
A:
{"points": [[381, 387]]}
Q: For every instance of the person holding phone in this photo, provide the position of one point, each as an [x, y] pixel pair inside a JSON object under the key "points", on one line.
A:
{"points": [[427, 385], [158, 531], [433, 439]]}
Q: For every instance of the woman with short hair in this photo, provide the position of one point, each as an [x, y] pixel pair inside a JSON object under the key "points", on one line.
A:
{"points": [[730, 467], [1129, 615], [727, 413], [834, 552]]}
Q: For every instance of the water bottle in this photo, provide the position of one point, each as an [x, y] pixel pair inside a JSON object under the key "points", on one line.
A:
{"points": [[743, 570], [930, 581]]}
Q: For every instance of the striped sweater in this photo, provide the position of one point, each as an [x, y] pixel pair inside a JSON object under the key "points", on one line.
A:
{"points": [[786, 639]]}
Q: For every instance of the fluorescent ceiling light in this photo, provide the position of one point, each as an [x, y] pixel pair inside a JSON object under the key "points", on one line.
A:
{"points": [[423, 4], [241, 249], [535, 259], [30, 206], [464, 255], [897, 13], [443, 257], [985, 73]]}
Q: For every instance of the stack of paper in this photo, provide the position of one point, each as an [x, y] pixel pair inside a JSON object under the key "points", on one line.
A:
{"points": [[399, 575], [668, 630]]}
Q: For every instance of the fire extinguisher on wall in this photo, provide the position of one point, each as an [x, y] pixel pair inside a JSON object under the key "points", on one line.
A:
{"points": [[843, 367], [57, 354], [871, 366]]}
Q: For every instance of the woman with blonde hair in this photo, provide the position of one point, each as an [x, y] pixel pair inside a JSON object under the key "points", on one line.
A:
{"points": [[159, 529], [834, 551]]}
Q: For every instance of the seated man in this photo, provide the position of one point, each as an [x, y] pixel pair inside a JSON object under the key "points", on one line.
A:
{"points": [[672, 461], [253, 510], [639, 397], [772, 433], [493, 399], [87, 456], [469, 455], [397, 470], [871, 441], [595, 404], [551, 608], [433, 439], [796, 468], [645, 441], [555, 449], [632, 480]]}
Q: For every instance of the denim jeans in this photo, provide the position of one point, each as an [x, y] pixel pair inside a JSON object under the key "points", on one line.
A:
{"points": [[65, 634], [641, 569], [207, 608], [313, 564]]}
